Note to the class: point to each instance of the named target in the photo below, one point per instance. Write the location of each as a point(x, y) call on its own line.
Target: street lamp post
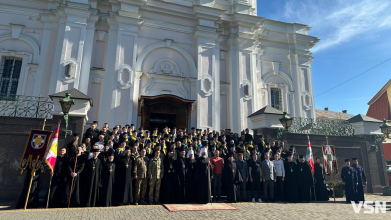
point(66, 104)
point(385, 129)
point(286, 121)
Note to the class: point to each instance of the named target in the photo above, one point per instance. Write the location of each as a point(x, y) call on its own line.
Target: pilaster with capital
point(208, 61)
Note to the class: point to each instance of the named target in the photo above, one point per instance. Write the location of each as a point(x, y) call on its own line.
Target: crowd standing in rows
point(118, 167)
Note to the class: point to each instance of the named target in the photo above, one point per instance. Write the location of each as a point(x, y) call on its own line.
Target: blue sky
point(355, 35)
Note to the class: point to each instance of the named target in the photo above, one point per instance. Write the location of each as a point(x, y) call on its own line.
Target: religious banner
point(35, 149)
point(330, 159)
point(51, 155)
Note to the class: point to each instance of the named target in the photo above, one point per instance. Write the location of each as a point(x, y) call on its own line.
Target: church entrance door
point(164, 110)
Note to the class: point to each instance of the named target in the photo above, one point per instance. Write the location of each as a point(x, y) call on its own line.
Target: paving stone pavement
point(325, 210)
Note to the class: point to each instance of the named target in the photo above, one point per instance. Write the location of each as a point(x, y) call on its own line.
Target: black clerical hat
point(171, 150)
point(192, 128)
point(75, 134)
point(301, 156)
point(94, 150)
point(354, 158)
point(110, 152)
point(95, 122)
point(182, 148)
point(347, 160)
point(127, 148)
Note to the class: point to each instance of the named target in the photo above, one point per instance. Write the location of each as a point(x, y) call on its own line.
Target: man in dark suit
point(92, 132)
point(243, 171)
point(268, 176)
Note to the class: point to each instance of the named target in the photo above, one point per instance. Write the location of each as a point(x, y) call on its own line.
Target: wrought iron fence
point(318, 126)
point(25, 106)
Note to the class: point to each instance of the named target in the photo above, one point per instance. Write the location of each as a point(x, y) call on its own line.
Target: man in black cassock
point(124, 187)
point(72, 146)
point(180, 170)
point(349, 179)
point(203, 176)
point(92, 132)
point(361, 179)
point(167, 191)
point(291, 180)
point(33, 200)
point(231, 178)
point(91, 177)
point(190, 174)
point(76, 187)
point(306, 180)
point(107, 180)
point(320, 185)
point(58, 180)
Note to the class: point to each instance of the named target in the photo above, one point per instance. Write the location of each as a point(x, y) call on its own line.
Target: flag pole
point(73, 178)
point(51, 175)
point(28, 192)
point(331, 172)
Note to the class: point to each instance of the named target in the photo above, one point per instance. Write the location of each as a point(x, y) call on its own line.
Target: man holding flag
point(58, 166)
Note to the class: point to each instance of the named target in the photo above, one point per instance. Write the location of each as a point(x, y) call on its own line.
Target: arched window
point(9, 75)
point(276, 98)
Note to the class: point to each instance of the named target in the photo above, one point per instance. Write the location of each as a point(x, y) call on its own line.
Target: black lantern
point(66, 104)
point(286, 121)
point(385, 128)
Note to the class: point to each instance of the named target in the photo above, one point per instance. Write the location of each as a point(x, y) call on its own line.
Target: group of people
point(118, 167)
point(354, 180)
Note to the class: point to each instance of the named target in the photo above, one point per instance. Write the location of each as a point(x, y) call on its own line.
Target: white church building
point(183, 63)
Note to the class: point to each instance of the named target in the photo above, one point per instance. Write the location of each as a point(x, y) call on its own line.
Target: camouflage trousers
point(141, 188)
point(154, 185)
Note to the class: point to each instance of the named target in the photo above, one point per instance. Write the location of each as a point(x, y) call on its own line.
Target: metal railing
point(25, 106)
point(329, 127)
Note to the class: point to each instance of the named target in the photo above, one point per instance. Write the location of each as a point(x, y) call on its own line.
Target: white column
point(42, 61)
point(108, 82)
point(87, 54)
point(57, 56)
point(136, 90)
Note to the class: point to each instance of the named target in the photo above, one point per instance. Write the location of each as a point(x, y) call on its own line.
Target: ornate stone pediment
point(166, 67)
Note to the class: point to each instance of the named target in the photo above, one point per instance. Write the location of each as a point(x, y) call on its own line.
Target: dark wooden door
point(145, 118)
point(181, 120)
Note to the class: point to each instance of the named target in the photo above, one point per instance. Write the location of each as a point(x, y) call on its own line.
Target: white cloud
point(338, 21)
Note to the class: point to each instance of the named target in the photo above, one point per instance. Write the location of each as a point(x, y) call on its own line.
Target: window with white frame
point(9, 75)
point(276, 98)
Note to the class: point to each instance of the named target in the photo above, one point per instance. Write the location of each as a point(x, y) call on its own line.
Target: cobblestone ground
point(327, 210)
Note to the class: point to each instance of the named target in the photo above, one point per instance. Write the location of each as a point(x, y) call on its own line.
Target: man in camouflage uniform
point(155, 174)
point(140, 174)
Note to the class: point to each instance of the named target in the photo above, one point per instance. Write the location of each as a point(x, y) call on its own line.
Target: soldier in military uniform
point(155, 174)
point(140, 174)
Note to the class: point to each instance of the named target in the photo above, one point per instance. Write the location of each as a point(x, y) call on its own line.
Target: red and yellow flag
point(51, 155)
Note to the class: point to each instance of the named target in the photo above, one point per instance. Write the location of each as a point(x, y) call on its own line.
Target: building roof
point(326, 114)
point(75, 94)
point(267, 110)
point(381, 91)
point(360, 117)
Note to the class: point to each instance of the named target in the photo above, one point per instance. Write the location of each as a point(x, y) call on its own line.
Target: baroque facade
point(201, 63)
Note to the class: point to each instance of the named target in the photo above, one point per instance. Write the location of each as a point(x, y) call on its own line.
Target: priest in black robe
point(190, 175)
point(320, 185)
point(167, 190)
point(58, 180)
point(124, 186)
point(203, 176)
point(306, 180)
point(231, 178)
point(74, 173)
point(91, 177)
point(291, 180)
point(349, 179)
point(33, 199)
point(180, 170)
point(107, 180)
point(361, 179)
